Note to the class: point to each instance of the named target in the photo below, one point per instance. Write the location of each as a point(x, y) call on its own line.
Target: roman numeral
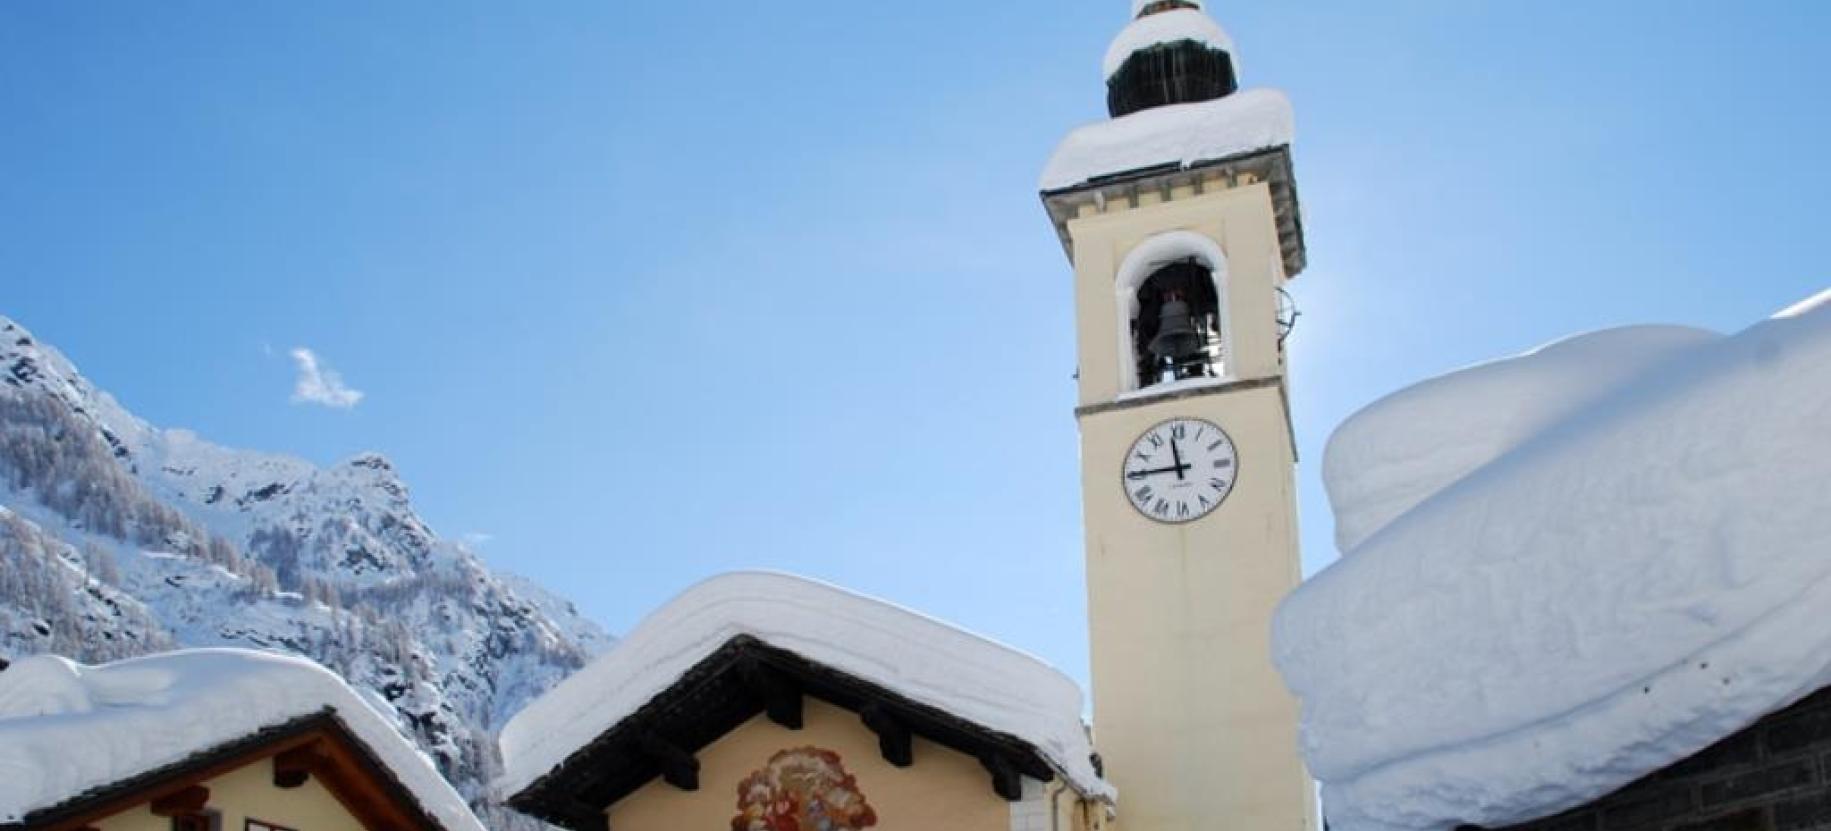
point(1161, 508)
point(1216, 445)
point(1179, 431)
point(1156, 441)
point(1223, 464)
point(1218, 484)
point(1182, 509)
point(1143, 494)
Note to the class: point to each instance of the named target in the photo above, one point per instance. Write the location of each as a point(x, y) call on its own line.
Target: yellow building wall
point(942, 790)
point(249, 793)
point(1194, 723)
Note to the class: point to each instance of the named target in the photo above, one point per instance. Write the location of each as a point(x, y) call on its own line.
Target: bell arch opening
point(1172, 305)
point(1176, 335)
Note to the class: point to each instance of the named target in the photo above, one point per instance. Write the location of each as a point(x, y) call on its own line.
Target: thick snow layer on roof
point(68, 729)
point(1565, 571)
point(1183, 134)
point(1395, 454)
point(923, 659)
point(1164, 27)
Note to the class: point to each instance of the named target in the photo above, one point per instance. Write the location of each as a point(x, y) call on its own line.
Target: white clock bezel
point(1232, 480)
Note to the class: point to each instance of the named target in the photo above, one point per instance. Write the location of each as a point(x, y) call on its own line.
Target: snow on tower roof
point(925, 660)
point(1565, 571)
point(1181, 134)
point(1165, 27)
point(68, 731)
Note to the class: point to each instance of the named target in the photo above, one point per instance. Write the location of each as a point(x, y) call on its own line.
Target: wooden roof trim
point(359, 781)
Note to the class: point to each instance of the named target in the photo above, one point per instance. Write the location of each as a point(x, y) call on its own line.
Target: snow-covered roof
point(1565, 571)
point(1164, 27)
point(922, 659)
point(1182, 134)
point(67, 730)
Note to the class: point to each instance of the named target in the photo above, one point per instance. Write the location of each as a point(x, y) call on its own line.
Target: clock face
point(1180, 470)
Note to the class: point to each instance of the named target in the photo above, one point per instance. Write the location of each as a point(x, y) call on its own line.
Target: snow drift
point(1565, 571)
point(913, 655)
point(66, 729)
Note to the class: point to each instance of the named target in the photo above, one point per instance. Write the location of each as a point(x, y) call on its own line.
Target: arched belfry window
point(1176, 334)
point(1172, 305)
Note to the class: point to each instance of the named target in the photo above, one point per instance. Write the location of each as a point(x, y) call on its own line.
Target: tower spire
point(1171, 53)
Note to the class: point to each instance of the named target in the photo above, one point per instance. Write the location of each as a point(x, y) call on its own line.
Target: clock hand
point(1178, 456)
point(1141, 474)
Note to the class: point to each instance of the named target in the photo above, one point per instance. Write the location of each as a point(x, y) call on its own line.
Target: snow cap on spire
point(1171, 53)
point(1141, 8)
point(1162, 27)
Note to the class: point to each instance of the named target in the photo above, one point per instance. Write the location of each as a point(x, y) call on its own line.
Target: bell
point(1177, 342)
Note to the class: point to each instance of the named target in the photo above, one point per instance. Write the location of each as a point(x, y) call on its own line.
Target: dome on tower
point(1172, 53)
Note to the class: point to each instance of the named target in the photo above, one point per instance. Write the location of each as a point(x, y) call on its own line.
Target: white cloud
point(319, 384)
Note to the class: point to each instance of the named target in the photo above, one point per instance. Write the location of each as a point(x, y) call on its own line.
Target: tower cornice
point(1129, 190)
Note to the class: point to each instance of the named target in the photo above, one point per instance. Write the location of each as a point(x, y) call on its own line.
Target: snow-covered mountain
point(119, 538)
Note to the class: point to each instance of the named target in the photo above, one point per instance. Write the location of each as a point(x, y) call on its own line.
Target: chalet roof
point(740, 645)
point(74, 739)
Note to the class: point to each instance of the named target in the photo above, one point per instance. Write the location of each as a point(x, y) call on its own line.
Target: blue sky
point(643, 292)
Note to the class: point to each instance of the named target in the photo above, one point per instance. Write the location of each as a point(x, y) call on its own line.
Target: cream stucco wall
point(248, 793)
point(1194, 723)
point(1240, 220)
point(943, 789)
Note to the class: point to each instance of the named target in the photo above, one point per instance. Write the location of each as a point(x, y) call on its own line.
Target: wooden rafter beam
point(1007, 781)
point(581, 816)
point(293, 767)
point(781, 696)
point(893, 737)
point(678, 767)
point(179, 803)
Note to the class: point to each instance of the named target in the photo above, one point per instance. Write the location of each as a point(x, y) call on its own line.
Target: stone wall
point(1774, 776)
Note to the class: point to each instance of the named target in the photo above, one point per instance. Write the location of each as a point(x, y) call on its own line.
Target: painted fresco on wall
point(805, 789)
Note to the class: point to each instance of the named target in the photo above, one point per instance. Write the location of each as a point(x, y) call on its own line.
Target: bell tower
point(1180, 217)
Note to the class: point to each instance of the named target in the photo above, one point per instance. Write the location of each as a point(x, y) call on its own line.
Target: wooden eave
point(1272, 166)
point(741, 680)
point(359, 781)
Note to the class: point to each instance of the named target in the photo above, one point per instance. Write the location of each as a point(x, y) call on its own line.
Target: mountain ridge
point(120, 538)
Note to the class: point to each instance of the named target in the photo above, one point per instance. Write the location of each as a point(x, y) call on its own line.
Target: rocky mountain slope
point(118, 538)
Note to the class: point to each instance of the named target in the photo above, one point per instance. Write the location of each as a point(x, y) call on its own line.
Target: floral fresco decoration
point(804, 789)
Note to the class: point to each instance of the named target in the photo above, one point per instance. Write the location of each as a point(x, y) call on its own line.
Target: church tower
point(1180, 216)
